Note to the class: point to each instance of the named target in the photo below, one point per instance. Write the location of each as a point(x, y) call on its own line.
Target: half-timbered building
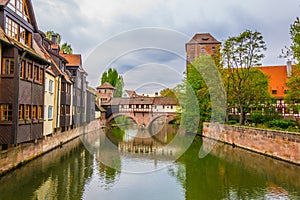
point(22, 75)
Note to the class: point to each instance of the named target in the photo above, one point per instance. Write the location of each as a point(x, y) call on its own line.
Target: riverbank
point(277, 144)
point(15, 157)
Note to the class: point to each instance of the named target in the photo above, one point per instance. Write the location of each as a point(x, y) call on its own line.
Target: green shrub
point(281, 123)
point(257, 117)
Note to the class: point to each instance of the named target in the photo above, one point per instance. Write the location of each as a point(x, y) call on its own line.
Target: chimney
point(289, 68)
point(156, 94)
point(54, 39)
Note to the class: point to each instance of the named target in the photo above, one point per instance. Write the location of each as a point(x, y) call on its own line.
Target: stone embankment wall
point(22, 153)
point(278, 144)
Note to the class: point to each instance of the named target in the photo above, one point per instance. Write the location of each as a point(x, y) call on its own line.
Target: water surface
point(132, 163)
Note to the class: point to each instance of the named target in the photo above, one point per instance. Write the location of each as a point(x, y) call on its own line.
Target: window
point(36, 73)
point(41, 76)
point(12, 28)
point(29, 71)
point(21, 111)
point(63, 87)
point(171, 107)
point(25, 37)
point(213, 49)
point(40, 112)
point(5, 112)
point(28, 112)
point(68, 109)
point(51, 88)
point(50, 112)
point(286, 91)
point(22, 71)
point(63, 110)
point(8, 66)
point(202, 49)
point(20, 7)
point(163, 107)
point(34, 112)
point(274, 91)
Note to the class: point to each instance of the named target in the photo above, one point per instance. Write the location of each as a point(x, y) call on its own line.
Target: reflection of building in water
point(47, 190)
point(143, 142)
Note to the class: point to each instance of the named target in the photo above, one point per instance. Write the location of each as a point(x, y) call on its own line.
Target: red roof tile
point(277, 79)
point(73, 59)
point(105, 86)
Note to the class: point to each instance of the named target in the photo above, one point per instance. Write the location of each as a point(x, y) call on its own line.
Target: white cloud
point(86, 24)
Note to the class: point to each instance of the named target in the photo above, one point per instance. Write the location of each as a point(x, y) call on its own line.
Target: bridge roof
point(133, 101)
point(165, 101)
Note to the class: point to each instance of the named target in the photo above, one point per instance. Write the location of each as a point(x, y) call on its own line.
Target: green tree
point(112, 77)
point(294, 82)
point(255, 93)
point(240, 54)
point(50, 33)
point(66, 48)
point(167, 92)
point(295, 37)
point(201, 93)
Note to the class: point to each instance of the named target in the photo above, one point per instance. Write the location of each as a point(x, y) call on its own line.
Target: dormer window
point(20, 7)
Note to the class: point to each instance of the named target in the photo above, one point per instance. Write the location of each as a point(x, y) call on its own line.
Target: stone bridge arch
point(169, 118)
point(114, 116)
point(143, 119)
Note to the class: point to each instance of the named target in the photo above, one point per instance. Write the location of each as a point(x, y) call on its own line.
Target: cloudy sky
point(137, 37)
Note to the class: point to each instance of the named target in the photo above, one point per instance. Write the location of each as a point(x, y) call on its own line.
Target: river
point(133, 163)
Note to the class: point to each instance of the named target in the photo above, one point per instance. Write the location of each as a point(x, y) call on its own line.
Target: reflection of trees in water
point(232, 173)
point(59, 174)
point(108, 175)
point(107, 158)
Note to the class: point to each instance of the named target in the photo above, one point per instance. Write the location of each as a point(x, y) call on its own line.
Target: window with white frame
point(51, 86)
point(50, 112)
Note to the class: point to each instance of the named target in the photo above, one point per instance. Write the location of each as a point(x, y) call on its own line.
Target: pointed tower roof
point(203, 38)
point(106, 85)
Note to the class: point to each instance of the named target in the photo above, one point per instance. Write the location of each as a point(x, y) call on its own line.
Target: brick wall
point(14, 156)
point(277, 144)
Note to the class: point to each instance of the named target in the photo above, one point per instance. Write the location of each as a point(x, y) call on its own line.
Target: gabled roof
point(74, 60)
point(4, 3)
point(106, 85)
point(277, 79)
point(132, 93)
point(203, 38)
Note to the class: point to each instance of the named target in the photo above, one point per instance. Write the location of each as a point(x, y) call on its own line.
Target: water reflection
point(232, 173)
point(114, 146)
point(94, 167)
point(60, 174)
